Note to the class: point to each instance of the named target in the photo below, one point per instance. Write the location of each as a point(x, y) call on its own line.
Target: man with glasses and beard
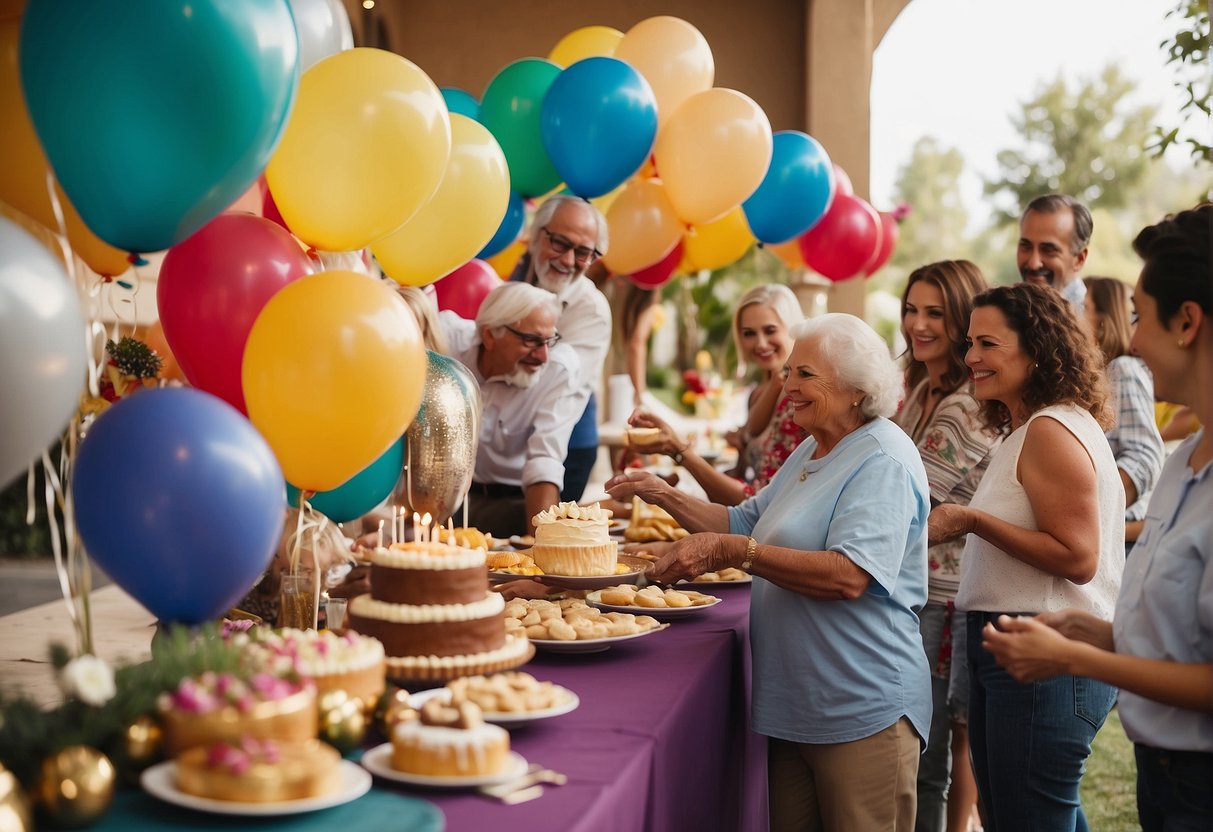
point(531, 394)
point(568, 235)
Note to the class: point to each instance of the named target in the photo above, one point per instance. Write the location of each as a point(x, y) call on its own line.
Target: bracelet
point(677, 457)
point(751, 556)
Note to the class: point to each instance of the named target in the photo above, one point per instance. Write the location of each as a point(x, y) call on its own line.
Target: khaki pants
point(861, 786)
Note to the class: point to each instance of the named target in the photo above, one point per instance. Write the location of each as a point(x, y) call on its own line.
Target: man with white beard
point(531, 397)
point(567, 235)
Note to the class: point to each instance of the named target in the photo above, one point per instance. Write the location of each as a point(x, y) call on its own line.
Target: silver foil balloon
point(440, 444)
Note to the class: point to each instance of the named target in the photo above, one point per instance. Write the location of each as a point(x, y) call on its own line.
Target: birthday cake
point(449, 741)
point(217, 707)
point(349, 662)
point(574, 540)
point(258, 771)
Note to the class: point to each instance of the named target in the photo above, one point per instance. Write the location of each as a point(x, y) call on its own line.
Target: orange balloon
point(170, 370)
point(504, 261)
point(672, 56)
point(788, 253)
point(586, 42)
point(23, 166)
point(643, 227)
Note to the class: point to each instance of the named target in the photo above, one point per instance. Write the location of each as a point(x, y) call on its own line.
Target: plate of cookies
point(571, 625)
point(729, 576)
point(508, 699)
point(652, 600)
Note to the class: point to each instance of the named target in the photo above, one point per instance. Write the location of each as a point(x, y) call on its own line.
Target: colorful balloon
point(366, 147)
point(362, 492)
point(509, 229)
point(332, 375)
point(504, 261)
point(847, 238)
point(42, 349)
point(323, 27)
point(713, 153)
point(179, 500)
point(788, 253)
point(718, 244)
point(889, 232)
point(673, 56)
point(659, 273)
point(842, 181)
point(511, 109)
point(643, 227)
point(211, 289)
point(461, 102)
point(586, 42)
point(157, 114)
point(599, 122)
point(461, 217)
point(796, 191)
point(463, 290)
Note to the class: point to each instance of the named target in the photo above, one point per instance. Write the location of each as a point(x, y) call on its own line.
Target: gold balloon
point(14, 805)
point(342, 720)
point(141, 746)
point(440, 444)
point(76, 786)
point(393, 707)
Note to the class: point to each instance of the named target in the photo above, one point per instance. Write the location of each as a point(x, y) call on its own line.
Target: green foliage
point(134, 358)
point(929, 182)
point(1188, 52)
point(1109, 788)
point(18, 538)
point(1085, 141)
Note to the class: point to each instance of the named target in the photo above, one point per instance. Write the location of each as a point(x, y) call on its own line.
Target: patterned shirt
point(783, 437)
point(1135, 441)
point(955, 450)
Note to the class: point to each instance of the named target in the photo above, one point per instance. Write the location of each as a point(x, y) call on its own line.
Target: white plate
point(656, 612)
point(588, 645)
point(519, 542)
point(159, 781)
point(508, 719)
point(378, 761)
point(635, 564)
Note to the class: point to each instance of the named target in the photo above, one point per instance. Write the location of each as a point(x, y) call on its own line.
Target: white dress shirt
point(585, 325)
point(524, 431)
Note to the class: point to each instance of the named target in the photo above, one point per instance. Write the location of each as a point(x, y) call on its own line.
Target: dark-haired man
point(1054, 232)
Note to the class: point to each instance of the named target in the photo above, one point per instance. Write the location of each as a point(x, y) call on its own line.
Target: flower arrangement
point(703, 391)
point(130, 366)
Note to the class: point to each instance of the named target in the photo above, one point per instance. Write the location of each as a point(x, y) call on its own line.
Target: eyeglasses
point(532, 341)
point(581, 254)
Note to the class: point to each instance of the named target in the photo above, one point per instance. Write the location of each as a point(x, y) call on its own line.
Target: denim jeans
point(1030, 741)
point(1174, 790)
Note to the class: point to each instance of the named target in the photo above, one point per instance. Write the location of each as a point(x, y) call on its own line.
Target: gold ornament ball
point(392, 707)
point(141, 746)
point(76, 786)
point(342, 720)
point(14, 805)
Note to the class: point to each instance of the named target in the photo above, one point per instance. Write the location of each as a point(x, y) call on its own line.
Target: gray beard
point(520, 378)
point(557, 285)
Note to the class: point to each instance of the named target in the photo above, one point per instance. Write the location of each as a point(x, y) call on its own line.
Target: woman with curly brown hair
point(1046, 532)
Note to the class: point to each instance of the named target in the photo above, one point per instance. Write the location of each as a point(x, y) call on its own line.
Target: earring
point(1180, 343)
point(854, 404)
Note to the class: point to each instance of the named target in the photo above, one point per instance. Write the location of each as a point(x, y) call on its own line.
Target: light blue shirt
point(1165, 610)
point(837, 671)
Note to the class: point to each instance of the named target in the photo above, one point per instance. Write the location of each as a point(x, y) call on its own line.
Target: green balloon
point(510, 110)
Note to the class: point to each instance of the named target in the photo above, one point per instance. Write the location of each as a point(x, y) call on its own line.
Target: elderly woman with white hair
point(837, 546)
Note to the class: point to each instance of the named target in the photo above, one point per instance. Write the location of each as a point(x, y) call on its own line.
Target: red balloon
point(846, 239)
point(842, 182)
point(463, 290)
point(888, 241)
point(269, 208)
point(660, 272)
point(211, 288)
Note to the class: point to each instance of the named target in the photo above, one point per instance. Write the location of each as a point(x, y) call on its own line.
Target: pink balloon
point(888, 241)
point(213, 285)
point(269, 208)
point(660, 272)
point(846, 239)
point(463, 290)
point(842, 182)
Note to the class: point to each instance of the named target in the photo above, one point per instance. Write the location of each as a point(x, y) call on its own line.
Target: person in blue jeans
point(1159, 646)
point(1045, 532)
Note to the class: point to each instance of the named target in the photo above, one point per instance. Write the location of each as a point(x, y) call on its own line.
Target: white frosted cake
point(431, 607)
point(574, 540)
point(449, 742)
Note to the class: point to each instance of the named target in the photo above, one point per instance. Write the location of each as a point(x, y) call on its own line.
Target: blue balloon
point(362, 492)
point(180, 500)
point(157, 114)
point(459, 101)
point(508, 231)
point(795, 193)
point(599, 120)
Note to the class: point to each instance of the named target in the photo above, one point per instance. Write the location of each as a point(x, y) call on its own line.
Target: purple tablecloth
point(659, 743)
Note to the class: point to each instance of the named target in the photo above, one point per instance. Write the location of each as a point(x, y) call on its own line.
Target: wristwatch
point(751, 555)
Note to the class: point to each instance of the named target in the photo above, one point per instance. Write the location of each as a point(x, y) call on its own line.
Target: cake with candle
point(574, 540)
point(250, 770)
point(449, 741)
point(431, 607)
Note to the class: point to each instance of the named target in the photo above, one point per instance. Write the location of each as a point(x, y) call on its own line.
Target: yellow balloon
point(642, 226)
point(23, 167)
point(504, 261)
point(713, 154)
point(717, 244)
point(672, 56)
point(333, 374)
point(603, 203)
point(460, 218)
point(586, 42)
point(364, 149)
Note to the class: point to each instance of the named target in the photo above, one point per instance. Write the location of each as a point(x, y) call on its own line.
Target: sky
point(957, 70)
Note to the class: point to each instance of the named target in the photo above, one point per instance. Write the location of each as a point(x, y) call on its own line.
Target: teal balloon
point(362, 492)
point(459, 101)
point(512, 110)
point(156, 115)
point(508, 231)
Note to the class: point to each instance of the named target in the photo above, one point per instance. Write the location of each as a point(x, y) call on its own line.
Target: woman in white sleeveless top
point(1046, 532)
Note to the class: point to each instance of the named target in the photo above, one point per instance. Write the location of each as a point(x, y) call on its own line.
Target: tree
point(1188, 50)
point(1086, 142)
point(929, 182)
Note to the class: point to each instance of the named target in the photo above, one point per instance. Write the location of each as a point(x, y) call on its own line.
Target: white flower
point(88, 679)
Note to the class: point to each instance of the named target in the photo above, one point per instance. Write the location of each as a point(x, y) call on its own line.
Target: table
point(660, 741)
